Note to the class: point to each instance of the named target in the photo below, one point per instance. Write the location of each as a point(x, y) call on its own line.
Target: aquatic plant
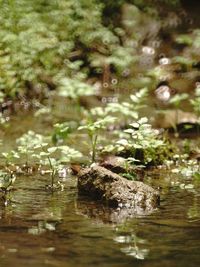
point(62, 130)
point(131, 166)
point(129, 109)
point(28, 142)
point(140, 142)
point(93, 130)
point(37, 147)
point(176, 101)
point(55, 157)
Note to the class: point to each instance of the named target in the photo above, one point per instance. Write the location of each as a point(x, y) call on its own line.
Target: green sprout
point(142, 141)
point(49, 160)
point(36, 146)
point(93, 130)
point(55, 157)
point(27, 144)
point(62, 131)
point(176, 101)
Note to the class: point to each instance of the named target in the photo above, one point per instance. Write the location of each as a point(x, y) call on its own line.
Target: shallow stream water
point(44, 229)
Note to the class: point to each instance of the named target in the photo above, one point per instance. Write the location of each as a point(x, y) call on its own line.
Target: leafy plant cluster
point(53, 49)
point(36, 150)
point(140, 143)
point(63, 45)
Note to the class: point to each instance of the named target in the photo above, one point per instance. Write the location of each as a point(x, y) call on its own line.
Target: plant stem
point(26, 158)
point(52, 178)
point(176, 124)
point(94, 144)
point(52, 169)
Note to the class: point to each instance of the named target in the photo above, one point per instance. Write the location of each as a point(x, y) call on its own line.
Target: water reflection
point(132, 247)
point(41, 228)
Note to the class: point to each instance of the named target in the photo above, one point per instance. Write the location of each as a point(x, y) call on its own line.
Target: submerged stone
point(101, 184)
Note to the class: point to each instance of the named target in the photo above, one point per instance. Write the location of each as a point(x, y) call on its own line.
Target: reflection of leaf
point(41, 228)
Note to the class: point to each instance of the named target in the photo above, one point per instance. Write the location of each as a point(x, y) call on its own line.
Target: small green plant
point(68, 154)
point(141, 142)
point(27, 144)
point(45, 157)
point(55, 158)
point(93, 130)
point(36, 146)
point(62, 131)
point(176, 101)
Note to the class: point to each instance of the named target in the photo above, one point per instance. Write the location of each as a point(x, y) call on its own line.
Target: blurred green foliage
point(44, 42)
point(41, 40)
point(38, 39)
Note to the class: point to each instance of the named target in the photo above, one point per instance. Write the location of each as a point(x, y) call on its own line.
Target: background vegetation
point(43, 42)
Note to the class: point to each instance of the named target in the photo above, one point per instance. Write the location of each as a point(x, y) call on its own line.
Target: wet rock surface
point(115, 191)
point(115, 164)
point(120, 165)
